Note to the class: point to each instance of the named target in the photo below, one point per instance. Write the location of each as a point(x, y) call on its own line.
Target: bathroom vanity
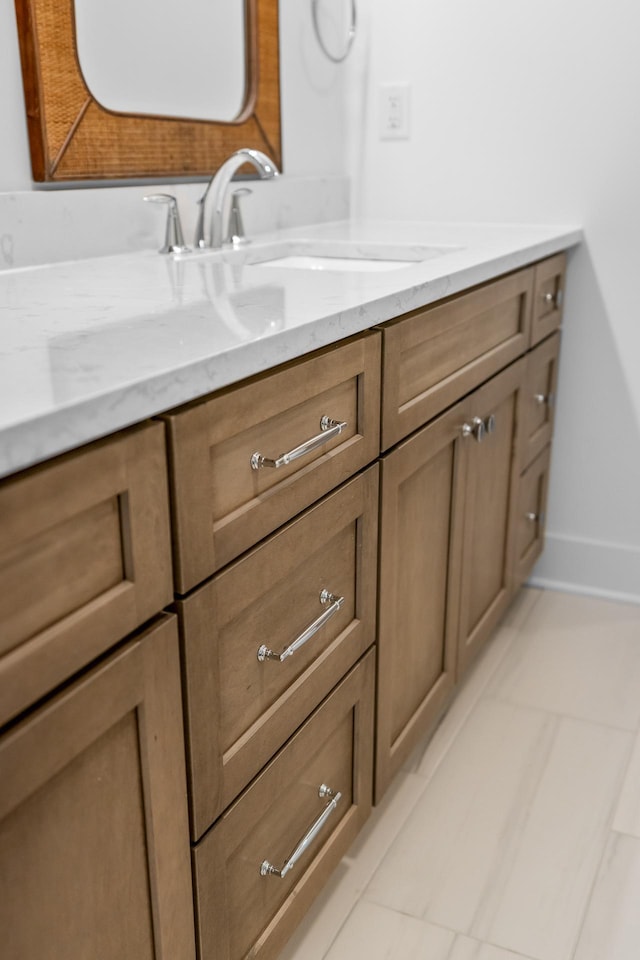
point(227, 621)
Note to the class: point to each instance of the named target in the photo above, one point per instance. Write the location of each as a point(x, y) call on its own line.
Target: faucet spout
point(218, 186)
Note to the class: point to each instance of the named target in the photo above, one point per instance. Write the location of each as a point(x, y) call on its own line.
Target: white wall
point(529, 112)
point(15, 167)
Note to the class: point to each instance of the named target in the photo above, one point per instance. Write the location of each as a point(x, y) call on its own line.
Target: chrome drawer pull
point(325, 597)
point(330, 429)
point(267, 869)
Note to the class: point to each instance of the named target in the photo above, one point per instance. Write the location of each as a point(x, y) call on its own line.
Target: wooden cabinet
point(447, 505)
point(265, 500)
point(94, 856)
point(463, 497)
point(539, 401)
point(279, 579)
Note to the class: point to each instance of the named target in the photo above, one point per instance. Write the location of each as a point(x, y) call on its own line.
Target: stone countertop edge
point(58, 426)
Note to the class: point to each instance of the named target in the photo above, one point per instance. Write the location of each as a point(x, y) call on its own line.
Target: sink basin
point(361, 265)
point(324, 255)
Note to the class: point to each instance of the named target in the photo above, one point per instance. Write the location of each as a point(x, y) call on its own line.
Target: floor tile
point(438, 866)
point(627, 816)
point(376, 933)
point(536, 901)
point(521, 606)
point(612, 925)
point(466, 949)
point(495, 843)
point(502, 845)
point(576, 656)
point(385, 823)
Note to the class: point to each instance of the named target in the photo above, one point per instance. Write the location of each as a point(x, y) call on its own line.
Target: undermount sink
point(358, 264)
point(324, 255)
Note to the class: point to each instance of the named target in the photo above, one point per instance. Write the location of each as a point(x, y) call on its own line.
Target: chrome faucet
point(219, 184)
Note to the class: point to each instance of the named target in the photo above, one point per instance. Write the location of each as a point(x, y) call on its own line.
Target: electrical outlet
point(394, 111)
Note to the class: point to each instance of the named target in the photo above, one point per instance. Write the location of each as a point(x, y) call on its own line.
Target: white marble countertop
point(92, 346)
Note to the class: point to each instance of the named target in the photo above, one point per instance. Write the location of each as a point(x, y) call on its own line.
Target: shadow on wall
point(599, 497)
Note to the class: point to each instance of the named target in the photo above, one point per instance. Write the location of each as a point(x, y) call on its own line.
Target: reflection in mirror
point(160, 58)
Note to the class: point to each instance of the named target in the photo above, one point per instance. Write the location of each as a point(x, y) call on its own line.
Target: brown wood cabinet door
point(94, 845)
point(422, 484)
point(487, 556)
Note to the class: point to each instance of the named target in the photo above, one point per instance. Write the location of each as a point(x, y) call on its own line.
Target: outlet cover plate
point(395, 111)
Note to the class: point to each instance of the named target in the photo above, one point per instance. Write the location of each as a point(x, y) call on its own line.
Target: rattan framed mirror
point(73, 137)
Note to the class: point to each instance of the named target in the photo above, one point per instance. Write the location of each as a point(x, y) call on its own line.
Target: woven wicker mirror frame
point(72, 137)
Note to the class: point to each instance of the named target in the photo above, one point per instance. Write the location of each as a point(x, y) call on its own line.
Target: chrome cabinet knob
point(553, 299)
point(475, 429)
point(534, 517)
point(544, 398)
point(490, 424)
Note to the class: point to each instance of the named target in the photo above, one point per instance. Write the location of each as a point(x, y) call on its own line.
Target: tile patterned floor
point(514, 834)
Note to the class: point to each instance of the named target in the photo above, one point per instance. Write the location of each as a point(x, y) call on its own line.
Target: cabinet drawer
point(548, 297)
point(539, 398)
point(242, 705)
point(434, 356)
point(242, 912)
point(530, 523)
point(222, 504)
point(85, 558)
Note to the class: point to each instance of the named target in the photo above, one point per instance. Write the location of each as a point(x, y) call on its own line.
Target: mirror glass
point(165, 59)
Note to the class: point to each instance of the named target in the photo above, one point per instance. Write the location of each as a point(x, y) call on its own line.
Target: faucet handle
point(174, 238)
point(236, 226)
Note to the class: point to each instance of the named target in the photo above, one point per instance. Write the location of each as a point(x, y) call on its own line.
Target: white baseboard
point(591, 567)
